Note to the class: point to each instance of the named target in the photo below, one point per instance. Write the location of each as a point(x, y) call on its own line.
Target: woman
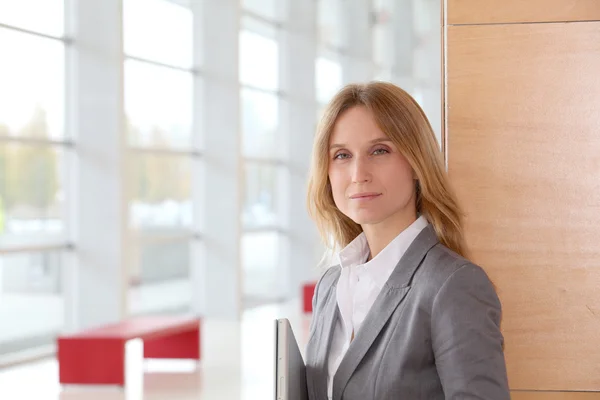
point(404, 315)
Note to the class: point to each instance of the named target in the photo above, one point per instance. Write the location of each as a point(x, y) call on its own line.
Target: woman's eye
point(380, 151)
point(341, 156)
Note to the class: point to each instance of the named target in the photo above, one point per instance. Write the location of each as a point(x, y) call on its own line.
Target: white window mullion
point(197, 253)
point(358, 59)
point(220, 196)
point(298, 64)
point(100, 215)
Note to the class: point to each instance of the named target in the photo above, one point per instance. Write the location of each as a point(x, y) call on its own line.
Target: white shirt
point(359, 285)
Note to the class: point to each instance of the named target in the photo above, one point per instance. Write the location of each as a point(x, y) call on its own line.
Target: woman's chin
point(367, 218)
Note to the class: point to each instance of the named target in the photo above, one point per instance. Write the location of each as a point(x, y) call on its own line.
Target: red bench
point(97, 356)
point(308, 290)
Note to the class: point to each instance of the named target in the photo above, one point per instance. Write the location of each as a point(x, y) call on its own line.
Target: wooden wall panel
point(523, 143)
point(511, 11)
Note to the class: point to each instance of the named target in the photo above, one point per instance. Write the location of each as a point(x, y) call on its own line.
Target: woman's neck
point(380, 235)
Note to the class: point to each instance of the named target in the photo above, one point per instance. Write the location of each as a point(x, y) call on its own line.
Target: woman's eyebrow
point(374, 141)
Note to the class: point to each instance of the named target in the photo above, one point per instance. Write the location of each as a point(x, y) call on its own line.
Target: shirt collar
point(355, 253)
point(379, 269)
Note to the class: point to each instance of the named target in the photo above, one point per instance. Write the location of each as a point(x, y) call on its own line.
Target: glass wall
point(331, 44)
point(34, 186)
point(161, 81)
point(263, 155)
point(383, 39)
point(158, 93)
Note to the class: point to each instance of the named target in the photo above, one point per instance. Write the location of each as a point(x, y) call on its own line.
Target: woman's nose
point(360, 171)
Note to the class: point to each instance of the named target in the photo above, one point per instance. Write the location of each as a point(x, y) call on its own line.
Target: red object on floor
point(308, 290)
point(97, 356)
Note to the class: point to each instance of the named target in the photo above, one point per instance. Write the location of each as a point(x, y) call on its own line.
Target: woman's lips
point(365, 196)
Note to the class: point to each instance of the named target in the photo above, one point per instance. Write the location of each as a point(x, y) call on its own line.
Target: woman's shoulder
point(325, 283)
point(442, 264)
point(328, 278)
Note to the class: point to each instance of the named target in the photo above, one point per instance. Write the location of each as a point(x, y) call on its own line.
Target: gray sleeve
point(466, 337)
point(314, 310)
point(315, 302)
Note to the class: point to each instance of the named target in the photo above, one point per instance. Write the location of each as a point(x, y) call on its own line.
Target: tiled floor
point(237, 364)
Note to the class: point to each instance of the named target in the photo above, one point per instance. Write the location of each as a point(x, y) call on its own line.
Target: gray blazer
point(433, 333)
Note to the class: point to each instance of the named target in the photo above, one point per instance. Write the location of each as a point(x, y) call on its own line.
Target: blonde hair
point(401, 118)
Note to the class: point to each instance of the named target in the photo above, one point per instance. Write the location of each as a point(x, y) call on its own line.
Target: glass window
point(426, 17)
point(383, 35)
point(158, 30)
point(270, 9)
point(379, 44)
point(158, 105)
point(330, 20)
point(32, 85)
point(383, 74)
point(159, 276)
point(328, 79)
point(259, 56)
point(43, 16)
point(261, 263)
point(320, 112)
point(31, 193)
point(427, 65)
point(161, 193)
point(262, 184)
point(260, 119)
point(31, 299)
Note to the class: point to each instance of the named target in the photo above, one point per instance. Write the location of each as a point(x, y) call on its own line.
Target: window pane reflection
point(32, 85)
point(270, 9)
point(31, 299)
point(261, 260)
point(161, 187)
point(43, 16)
point(262, 185)
point(32, 197)
point(159, 277)
point(328, 79)
point(330, 22)
point(163, 118)
point(259, 60)
point(170, 44)
point(260, 118)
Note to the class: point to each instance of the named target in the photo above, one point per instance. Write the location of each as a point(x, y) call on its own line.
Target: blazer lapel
point(387, 301)
point(382, 309)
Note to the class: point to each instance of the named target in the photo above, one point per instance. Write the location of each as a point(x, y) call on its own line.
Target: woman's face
point(372, 183)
